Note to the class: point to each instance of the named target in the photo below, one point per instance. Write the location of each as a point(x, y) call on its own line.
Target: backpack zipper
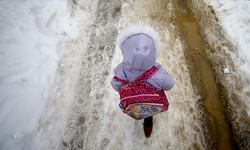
point(140, 95)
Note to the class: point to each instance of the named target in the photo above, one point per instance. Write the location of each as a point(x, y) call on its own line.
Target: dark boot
point(148, 126)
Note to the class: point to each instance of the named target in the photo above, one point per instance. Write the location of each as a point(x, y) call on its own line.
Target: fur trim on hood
point(137, 29)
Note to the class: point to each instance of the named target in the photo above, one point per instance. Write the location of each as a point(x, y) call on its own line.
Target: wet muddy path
point(224, 94)
point(219, 128)
point(203, 112)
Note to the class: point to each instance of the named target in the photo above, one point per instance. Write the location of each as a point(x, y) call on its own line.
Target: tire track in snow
point(85, 120)
point(75, 109)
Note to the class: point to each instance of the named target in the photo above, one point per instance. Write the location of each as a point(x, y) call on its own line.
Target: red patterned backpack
point(140, 100)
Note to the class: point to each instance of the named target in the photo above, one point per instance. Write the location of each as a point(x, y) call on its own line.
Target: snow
point(226, 70)
point(234, 19)
point(32, 38)
point(32, 44)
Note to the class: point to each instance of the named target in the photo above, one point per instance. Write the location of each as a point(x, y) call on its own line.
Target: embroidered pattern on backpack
point(140, 100)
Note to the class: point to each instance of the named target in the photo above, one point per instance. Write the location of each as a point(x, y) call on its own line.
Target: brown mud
point(219, 128)
point(228, 114)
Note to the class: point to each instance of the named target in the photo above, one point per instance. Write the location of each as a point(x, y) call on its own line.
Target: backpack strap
point(147, 74)
point(122, 81)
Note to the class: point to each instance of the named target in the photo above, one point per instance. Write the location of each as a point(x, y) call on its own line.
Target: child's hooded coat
point(140, 45)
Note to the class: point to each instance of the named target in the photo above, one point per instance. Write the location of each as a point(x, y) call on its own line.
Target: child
point(140, 45)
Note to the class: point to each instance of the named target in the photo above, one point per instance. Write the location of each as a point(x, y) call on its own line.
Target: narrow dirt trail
point(83, 111)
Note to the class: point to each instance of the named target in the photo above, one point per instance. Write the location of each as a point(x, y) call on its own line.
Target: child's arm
point(116, 84)
point(168, 83)
point(162, 80)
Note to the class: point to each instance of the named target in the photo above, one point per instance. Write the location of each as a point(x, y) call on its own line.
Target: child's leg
point(148, 121)
point(148, 126)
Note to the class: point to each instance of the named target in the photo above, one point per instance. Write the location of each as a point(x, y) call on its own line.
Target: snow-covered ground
point(32, 41)
point(56, 62)
point(235, 20)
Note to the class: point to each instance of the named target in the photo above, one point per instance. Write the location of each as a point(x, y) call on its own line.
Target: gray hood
point(140, 45)
point(138, 52)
